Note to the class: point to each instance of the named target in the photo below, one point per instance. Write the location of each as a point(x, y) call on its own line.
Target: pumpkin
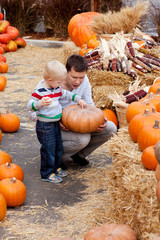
point(158, 191)
point(139, 43)
point(82, 120)
point(138, 121)
point(9, 170)
point(82, 52)
point(4, 157)
point(3, 26)
point(79, 28)
point(135, 108)
point(111, 116)
point(3, 207)
point(1, 16)
point(0, 135)
point(148, 135)
point(3, 67)
point(11, 46)
point(1, 50)
point(13, 32)
point(3, 81)
point(157, 80)
point(14, 191)
point(154, 87)
point(5, 38)
point(20, 42)
point(111, 232)
point(92, 43)
point(157, 173)
point(149, 159)
point(157, 151)
point(2, 58)
point(153, 98)
point(9, 122)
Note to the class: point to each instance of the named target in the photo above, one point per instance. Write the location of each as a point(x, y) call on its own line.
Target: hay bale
point(131, 188)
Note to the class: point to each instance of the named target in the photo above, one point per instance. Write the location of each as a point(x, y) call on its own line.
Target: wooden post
point(94, 5)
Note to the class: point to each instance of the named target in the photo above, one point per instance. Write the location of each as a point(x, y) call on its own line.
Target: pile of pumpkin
point(9, 42)
point(143, 117)
point(12, 188)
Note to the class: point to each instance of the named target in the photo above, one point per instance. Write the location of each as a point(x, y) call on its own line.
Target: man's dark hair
point(77, 62)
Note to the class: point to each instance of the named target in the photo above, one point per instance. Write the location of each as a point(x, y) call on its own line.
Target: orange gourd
point(3, 207)
point(148, 135)
point(9, 122)
point(4, 157)
point(3, 81)
point(135, 108)
point(82, 51)
point(157, 173)
point(79, 28)
point(149, 159)
point(3, 67)
point(140, 120)
point(92, 43)
point(82, 120)
point(11, 46)
point(14, 191)
point(111, 232)
point(13, 32)
point(9, 170)
point(111, 116)
point(154, 87)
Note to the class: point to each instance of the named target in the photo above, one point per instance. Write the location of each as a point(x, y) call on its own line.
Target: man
point(79, 145)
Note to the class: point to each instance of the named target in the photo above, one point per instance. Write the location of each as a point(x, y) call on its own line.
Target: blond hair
point(54, 70)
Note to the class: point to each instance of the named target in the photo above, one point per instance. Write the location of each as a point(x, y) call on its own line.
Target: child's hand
point(82, 103)
point(45, 101)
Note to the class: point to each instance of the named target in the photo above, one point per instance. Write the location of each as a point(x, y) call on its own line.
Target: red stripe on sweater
point(49, 95)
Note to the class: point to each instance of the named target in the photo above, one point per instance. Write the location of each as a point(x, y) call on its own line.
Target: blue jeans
point(49, 136)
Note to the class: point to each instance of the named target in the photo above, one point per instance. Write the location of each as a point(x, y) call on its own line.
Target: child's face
point(54, 83)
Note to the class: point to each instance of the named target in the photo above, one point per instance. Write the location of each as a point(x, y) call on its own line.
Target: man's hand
point(63, 127)
point(45, 101)
point(101, 127)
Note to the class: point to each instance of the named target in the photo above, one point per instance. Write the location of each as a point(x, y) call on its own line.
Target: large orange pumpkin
point(9, 170)
point(157, 173)
point(4, 157)
point(3, 207)
point(9, 122)
point(111, 232)
point(82, 120)
point(14, 191)
point(111, 116)
point(79, 28)
point(149, 159)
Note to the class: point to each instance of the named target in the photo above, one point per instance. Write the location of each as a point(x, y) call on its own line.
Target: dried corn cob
point(114, 64)
point(147, 51)
point(137, 71)
point(131, 50)
point(152, 61)
point(152, 57)
point(119, 68)
point(136, 96)
point(142, 64)
point(123, 64)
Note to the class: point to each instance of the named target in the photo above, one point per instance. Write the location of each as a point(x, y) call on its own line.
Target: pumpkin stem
point(13, 180)
point(7, 111)
point(156, 125)
point(153, 110)
point(150, 95)
point(8, 165)
point(158, 91)
point(146, 112)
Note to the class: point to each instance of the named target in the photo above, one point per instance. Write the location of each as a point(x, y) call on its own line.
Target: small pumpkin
point(5, 38)
point(13, 32)
point(111, 116)
point(14, 191)
point(9, 122)
point(9, 170)
point(3, 67)
point(20, 42)
point(82, 120)
point(157, 173)
point(149, 159)
point(2, 58)
point(3, 81)
point(3, 26)
point(0, 135)
point(111, 232)
point(154, 87)
point(11, 46)
point(3, 207)
point(92, 43)
point(4, 157)
point(148, 135)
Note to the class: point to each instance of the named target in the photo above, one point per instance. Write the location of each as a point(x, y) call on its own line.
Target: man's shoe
point(81, 161)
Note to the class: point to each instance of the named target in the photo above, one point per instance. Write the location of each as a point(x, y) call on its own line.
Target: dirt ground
point(63, 210)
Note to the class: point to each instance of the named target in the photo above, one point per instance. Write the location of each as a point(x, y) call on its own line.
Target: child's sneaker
point(61, 173)
point(53, 178)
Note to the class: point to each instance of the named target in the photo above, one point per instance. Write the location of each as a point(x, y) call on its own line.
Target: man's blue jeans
point(49, 136)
